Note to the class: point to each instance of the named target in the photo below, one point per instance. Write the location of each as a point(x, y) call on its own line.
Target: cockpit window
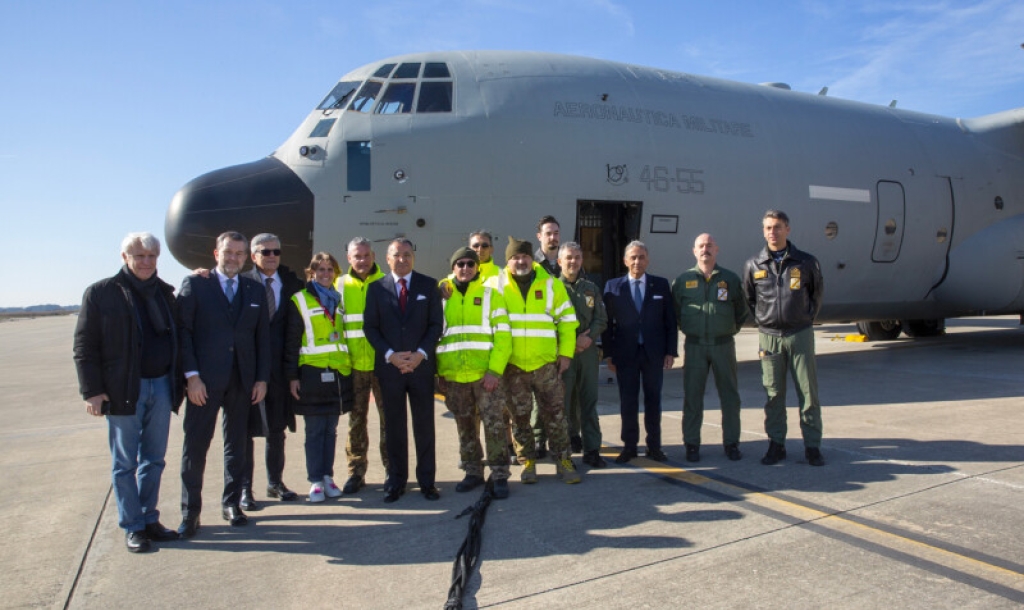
point(363, 101)
point(407, 71)
point(384, 71)
point(397, 99)
point(435, 97)
point(338, 96)
point(436, 69)
point(404, 89)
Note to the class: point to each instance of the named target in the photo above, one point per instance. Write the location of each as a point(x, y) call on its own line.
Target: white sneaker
point(330, 488)
point(316, 493)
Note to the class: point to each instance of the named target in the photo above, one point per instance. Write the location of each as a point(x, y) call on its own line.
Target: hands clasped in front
point(406, 362)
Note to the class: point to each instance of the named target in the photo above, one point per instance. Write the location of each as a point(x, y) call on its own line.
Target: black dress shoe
point(776, 453)
point(576, 443)
point(732, 451)
point(353, 484)
point(469, 483)
point(278, 490)
point(393, 494)
point(500, 491)
point(156, 531)
point(813, 455)
point(431, 493)
point(692, 453)
point(625, 455)
point(593, 459)
point(189, 526)
point(656, 454)
point(247, 502)
point(137, 542)
point(235, 516)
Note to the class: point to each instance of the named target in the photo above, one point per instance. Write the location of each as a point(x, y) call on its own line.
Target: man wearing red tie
point(403, 322)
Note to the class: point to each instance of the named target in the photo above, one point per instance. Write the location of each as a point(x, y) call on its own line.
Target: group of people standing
point(515, 349)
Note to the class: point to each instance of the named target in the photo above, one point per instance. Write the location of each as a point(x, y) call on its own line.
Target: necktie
point(271, 303)
point(229, 292)
point(638, 300)
point(403, 295)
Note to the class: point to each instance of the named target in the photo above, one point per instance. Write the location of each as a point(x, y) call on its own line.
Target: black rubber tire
point(880, 330)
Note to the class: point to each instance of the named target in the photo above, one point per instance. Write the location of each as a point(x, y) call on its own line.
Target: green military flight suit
point(710, 312)
point(581, 377)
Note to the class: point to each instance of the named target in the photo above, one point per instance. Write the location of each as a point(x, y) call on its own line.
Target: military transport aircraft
point(914, 217)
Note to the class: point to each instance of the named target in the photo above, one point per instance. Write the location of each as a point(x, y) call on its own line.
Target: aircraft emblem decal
point(617, 174)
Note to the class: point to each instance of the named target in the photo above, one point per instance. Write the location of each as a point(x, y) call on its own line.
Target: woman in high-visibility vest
point(318, 368)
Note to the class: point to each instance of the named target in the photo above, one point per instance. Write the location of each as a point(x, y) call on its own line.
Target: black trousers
point(640, 371)
point(418, 388)
point(276, 422)
point(199, 425)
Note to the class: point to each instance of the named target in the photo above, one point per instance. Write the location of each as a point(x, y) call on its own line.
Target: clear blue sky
point(108, 107)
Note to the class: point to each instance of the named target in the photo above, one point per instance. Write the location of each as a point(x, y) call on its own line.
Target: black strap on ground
point(469, 553)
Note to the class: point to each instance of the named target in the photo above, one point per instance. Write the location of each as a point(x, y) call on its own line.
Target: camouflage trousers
point(358, 445)
point(471, 404)
point(546, 384)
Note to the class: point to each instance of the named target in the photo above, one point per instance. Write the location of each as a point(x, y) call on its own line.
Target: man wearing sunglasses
point(274, 414)
point(471, 359)
point(482, 243)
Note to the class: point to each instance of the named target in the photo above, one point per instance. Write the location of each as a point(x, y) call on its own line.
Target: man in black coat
point(642, 342)
point(225, 346)
point(126, 355)
point(403, 322)
point(270, 417)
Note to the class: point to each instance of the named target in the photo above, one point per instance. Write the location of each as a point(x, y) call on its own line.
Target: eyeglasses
point(268, 252)
point(462, 264)
point(475, 246)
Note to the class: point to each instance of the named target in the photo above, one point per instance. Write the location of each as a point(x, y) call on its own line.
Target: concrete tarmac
point(918, 506)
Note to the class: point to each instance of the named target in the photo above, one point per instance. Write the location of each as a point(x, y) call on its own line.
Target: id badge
point(327, 376)
point(334, 337)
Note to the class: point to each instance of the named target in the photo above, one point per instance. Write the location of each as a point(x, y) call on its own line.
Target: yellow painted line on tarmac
point(927, 552)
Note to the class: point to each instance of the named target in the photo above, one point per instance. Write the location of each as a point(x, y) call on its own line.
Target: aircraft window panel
point(339, 95)
point(411, 70)
point(436, 69)
point(323, 127)
point(397, 99)
point(384, 71)
point(363, 101)
point(435, 97)
point(358, 157)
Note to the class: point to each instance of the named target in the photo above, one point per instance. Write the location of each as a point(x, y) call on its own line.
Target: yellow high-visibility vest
point(323, 345)
point(476, 337)
point(543, 325)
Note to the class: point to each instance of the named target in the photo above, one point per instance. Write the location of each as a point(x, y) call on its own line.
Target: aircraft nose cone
point(264, 196)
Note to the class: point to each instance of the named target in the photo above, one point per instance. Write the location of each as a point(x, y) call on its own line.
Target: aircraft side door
point(889, 225)
point(603, 229)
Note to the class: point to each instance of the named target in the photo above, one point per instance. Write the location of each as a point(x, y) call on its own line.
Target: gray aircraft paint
point(535, 133)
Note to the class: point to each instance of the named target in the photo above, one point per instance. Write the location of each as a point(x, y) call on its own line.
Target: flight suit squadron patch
point(760, 274)
point(723, 291)
point(589, 296)
point(794, 279)
point(691, 284)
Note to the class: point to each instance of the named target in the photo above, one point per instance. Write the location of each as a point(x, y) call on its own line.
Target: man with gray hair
point(271, 417)
point(581, 377)
point(363, 271)
point(641, 342)
point(126, 355)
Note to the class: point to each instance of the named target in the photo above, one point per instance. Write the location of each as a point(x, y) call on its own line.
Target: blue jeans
point(321, 440)
point(137, 445)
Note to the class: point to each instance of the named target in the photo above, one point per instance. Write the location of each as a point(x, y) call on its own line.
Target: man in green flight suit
point(711, 309)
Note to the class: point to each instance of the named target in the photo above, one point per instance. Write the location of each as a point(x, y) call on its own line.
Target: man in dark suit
point(274, 414)
point(403, 322)
point(641, 343)
point(225, 347)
